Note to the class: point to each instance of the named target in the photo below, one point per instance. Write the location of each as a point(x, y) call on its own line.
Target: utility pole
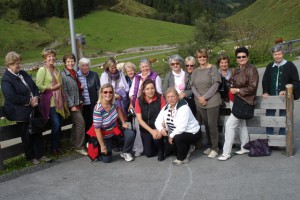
point(72, 31)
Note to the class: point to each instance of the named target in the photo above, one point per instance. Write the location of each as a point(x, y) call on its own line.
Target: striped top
point(85, 93)
point(105, 120)
point(170, 120)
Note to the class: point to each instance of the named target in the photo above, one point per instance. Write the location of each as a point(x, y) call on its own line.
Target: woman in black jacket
point(21, 96)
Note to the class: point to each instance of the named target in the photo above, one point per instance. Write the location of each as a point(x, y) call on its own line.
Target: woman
point(91, 85)
point(106, 113)
point(53, 103)
point(205, 84)
point(245, 82)
point(135, 91)
point(73, 90)
point(117, 79)
point(147, 108)
point(226, 73)
point(21, 96)
point(177, 121)
point(129, 70)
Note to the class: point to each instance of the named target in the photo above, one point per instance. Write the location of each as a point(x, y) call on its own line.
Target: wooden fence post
point(289, 120)
point(1, 160)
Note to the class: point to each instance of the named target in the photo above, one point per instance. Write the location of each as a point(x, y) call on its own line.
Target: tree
point(26, 11)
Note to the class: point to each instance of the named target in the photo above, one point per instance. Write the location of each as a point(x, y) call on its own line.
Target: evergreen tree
point(59, 10)
point(26, 11)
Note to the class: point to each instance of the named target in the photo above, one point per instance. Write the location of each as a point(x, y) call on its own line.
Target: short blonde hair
point(11, 58)
point(106, 85)
point(109, 63)
point(171, 90)
point(129, 65)
point(190, 58)
point(48, 51)
point(201, 52)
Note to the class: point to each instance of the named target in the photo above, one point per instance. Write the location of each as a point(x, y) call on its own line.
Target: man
point(278, 74)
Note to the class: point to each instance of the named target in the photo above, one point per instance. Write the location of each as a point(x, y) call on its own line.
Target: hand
point(170, 140)
point(163, 132)
point(182, 95)
point(56, 87)
point(34, 102)
point(118, 97)
point(130, 106)
point(104, 150)
point(74, 108)
point(125, 125)
point(234, 90)
point(282, 93)
point(155, 134)
point(204, 103)
point(265, 95)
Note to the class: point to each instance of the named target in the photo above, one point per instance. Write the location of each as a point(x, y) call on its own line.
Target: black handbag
point(37, 122)
point(241, 109)
point(258, 147)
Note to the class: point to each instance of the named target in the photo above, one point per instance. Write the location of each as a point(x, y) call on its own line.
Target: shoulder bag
point(241, 109)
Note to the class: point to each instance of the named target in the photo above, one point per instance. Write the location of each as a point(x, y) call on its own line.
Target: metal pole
point(72, 30)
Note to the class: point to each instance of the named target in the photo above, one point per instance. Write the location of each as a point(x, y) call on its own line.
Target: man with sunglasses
point(277, 75)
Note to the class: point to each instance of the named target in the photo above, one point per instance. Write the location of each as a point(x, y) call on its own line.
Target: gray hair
point(129, 65)
point(175, 58)
point(277, 48)
point(84, 61)
point(145, 60)
point(190, 58)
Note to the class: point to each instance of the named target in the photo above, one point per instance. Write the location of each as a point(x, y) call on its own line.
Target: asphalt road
point(275, 177)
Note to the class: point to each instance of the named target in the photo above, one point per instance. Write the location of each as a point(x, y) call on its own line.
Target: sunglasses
point(105, 92)
point(189, 65)
point(239, 57)
point(173, 64)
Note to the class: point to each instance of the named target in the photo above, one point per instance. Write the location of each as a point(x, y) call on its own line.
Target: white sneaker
point(127, 156)
point(223, 157)
point(242, 151)
point(191, 150)
point(180, 162)
point(81, 151)
point(213, 154)
point(207, 151)
point(137, 154)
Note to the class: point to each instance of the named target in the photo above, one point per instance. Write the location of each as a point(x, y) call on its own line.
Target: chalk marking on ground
point(167, 181)
point(191, 181)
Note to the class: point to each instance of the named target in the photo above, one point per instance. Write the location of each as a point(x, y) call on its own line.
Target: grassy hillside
point(104, 31)
point(282, 15)
point(133, 8)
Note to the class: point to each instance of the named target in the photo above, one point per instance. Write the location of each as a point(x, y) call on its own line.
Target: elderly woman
point(245, 82)
point(147, 108)
point(73, 90)
point(20, 97)
point(190, 65)
point(53, 102)
point(117, 79)
point(91, 85)
point(135, 91)
point(129, 70)
point(177, 121)
point(106, 113)
point(205, 84)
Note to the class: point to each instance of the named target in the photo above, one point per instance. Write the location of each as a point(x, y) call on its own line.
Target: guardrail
point(291, 46)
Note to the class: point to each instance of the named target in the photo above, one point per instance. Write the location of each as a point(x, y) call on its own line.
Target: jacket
point(70, 88)
point(17, 95)
point(246, 80)
point(93, 84)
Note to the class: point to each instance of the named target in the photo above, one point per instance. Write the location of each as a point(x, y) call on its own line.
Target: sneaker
point(191, 150)
point(127, 156)
point(180, 162)
point(81, 151)
point(35, 161)
point(213, 154)
point(207, 151)
point(45, 159)
point(242, 151)
point(223, 157)
point(137, 154)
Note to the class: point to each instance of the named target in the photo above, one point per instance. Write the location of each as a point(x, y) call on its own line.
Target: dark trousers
point(87, 113)
point(151, 146)
point(55, 120)
point(33, 144)
point(183, 141)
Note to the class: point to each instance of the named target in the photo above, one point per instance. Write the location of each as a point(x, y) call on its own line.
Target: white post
point(72, 31)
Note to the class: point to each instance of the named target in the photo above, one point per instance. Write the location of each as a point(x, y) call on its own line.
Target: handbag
point(258, 147)
point(37, 122)
point(241, 109)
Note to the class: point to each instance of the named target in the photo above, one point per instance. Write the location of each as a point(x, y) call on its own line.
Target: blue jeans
point(128, 137)
point(271, 112)
point(55, 120)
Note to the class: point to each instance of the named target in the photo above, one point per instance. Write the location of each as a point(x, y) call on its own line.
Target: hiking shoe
point(127, 157)
point(45, 159)
point(191, 150)
point(35, 161)
point(180, 162)
point(223, 157)
point(207, 151)
point(212, 154)
point(81, 151)
point(242, 151)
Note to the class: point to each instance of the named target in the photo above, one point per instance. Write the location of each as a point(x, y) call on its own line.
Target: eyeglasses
point(189, 65)
point(173, 64)
point(202, 57)
point(105, 92)
point(239, 57)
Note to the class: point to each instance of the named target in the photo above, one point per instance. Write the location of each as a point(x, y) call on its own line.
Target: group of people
point(164, 117)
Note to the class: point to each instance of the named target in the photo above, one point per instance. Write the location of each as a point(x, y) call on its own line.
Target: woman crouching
point(177, 121)
point(147, 108)
point(106, 113)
